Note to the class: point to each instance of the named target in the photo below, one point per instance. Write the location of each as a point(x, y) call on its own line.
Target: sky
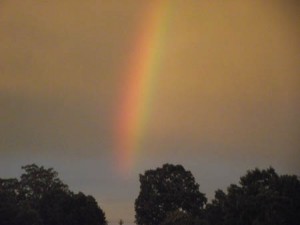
point(103, 90)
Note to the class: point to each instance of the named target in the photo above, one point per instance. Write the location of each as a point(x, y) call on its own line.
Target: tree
point(8, 201)
point(85, 210)
point(262, 198)
point(165, 190)
point(179, 218)
point(60, 208)
point(214, 211)
point(37, 181)
point(41, 198)
point(28, 216)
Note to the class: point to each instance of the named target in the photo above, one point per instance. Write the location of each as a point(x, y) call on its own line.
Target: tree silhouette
point(165, 190)
point(263, 197)
point(41, 198)
point(37, 181)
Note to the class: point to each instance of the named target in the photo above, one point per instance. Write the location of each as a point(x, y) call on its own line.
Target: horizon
point(131, 222)
point(102, 91)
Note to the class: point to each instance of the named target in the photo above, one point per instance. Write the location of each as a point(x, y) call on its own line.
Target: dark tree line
point(261, 198)
point(170, 196)
point(41, 198)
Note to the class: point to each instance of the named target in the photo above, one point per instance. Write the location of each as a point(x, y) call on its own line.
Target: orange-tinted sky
point(226, 96)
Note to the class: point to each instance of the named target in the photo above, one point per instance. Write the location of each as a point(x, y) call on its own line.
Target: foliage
point(262, 198)
point(180, 217)
point(41, 198)
point(60, 208)
point(166, 190)
point(168, 196)
point(37, 181)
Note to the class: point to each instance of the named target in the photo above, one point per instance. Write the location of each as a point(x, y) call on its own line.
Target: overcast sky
point(226, 95)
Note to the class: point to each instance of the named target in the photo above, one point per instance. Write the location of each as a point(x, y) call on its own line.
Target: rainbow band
point(139, 84)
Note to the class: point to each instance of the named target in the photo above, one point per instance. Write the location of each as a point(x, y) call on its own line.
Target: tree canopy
point(41, 198)
point(166, 190)
point(169, 195)
point(262, 198)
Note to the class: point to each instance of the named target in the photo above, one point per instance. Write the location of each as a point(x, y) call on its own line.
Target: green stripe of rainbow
point(144, 63)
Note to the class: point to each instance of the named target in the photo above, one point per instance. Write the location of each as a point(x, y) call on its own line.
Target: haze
point(226, 96)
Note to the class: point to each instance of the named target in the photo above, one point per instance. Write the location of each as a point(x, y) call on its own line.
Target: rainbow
point(139, 83)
